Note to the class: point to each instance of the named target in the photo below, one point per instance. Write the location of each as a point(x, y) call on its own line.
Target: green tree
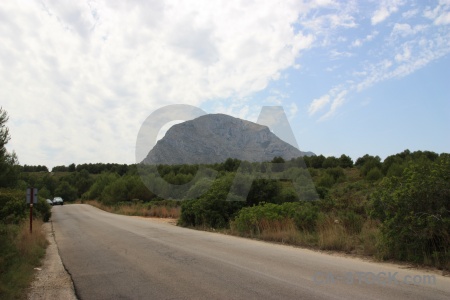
point(415, 213)
point(278, 164)
point(314, 161)
point(66, 191)
point(345, 161)
point(72, 167)
point(9, 165)
point(330, 162)
point(264, 190)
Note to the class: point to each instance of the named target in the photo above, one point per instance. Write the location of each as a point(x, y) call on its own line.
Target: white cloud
point(403, 29)
point(359, 42)
point(404, 56)
point(440, 14)
point(410, 13)
point(385, 9)
point(79, 78)
point(318, 104)
point(292, 110)
point(443, 19)
point(337, 102)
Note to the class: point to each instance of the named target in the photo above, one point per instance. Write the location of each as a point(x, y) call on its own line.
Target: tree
point(278, 164)
point(264, 190)
point(9, 164)
point(72, 167)
point(314, 161)
point(66, 191)
point(330, 162)
point(367, 163)
point(345, 161)
point(415, 212)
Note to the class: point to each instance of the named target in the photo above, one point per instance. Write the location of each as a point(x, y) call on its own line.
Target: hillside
point(215, 137)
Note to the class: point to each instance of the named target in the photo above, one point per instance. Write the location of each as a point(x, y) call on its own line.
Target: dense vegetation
point(396, 208)
point(20, 251)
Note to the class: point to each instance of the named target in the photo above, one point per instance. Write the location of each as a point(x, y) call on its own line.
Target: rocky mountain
point(213, 138)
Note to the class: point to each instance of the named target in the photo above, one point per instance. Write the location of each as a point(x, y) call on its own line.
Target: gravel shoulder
point(51, 281)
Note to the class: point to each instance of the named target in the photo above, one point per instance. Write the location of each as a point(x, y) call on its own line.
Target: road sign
point(32, 194)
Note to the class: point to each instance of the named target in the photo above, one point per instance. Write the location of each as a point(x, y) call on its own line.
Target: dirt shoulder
point(51, 281)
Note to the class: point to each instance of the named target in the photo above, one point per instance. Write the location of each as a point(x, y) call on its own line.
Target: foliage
point(9, 168)
point(345, 161)
point(13, 208)
point(211, 209)
point(415, 212)
point(38, 168)
point(264, 190)
point(249, 219)
point(20, 253)
point(66, 191)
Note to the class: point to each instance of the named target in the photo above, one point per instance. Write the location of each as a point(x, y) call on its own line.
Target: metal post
point(31, 210)
point(31, 217)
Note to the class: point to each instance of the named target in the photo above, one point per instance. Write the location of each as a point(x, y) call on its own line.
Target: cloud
point(338, 101)
point(443, 19)
point(400, 49)
point(385, 9)
point(405, 56)
point(403, 29)
point(440, 14)
point(318, 104)
point(79, 78)
point(410, 13)
point(368, 38)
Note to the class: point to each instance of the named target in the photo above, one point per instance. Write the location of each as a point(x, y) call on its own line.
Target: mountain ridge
point(213, 138)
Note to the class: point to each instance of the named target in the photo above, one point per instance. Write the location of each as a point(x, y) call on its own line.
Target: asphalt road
point(118, 257)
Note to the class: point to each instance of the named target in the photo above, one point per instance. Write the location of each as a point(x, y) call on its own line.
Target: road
point(118, 257)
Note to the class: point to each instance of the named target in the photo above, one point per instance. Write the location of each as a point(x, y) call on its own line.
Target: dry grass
point(20, 253)
point(139, 209)
point(330, 234)
point(333, 236)
point(31, 244)
point(281, 231)
point(164, 212)
point(369, 237)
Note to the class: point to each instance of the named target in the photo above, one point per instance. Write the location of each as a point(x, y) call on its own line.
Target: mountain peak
point(213, 138)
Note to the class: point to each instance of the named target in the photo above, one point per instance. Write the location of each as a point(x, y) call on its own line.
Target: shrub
point(250, 220)
point(374, 174)
point(42, 210)
point(207, 212)
point(13, 207)
point(415, 213)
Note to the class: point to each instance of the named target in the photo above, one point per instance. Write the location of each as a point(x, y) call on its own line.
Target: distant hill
point(213, 138)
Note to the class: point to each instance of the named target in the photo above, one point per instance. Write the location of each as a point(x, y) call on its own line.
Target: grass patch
point(150, 209)
point(20, 253)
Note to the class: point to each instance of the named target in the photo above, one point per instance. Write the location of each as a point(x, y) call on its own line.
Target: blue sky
point(78, 78)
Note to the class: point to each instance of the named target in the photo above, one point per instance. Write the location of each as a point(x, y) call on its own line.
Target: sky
point(79, 78)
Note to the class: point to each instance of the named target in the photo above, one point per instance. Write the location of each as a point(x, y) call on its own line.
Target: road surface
point(118, 257)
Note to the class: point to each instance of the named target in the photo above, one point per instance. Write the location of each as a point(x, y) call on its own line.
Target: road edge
point(52, 281)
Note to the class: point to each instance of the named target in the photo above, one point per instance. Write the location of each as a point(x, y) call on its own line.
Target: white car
point(58, 201)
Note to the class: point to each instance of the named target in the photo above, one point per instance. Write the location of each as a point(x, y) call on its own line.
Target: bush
point(66, 191)
point(13, 207)
point(42, 210)
point(415, 213)
point(210, 213)
point(249, 220)
point(374, 174)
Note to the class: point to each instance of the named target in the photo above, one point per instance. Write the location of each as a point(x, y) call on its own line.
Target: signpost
point(32, 197)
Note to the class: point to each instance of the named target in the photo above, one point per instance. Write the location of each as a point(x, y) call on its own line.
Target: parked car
point(49, 201)
point(58, 201)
